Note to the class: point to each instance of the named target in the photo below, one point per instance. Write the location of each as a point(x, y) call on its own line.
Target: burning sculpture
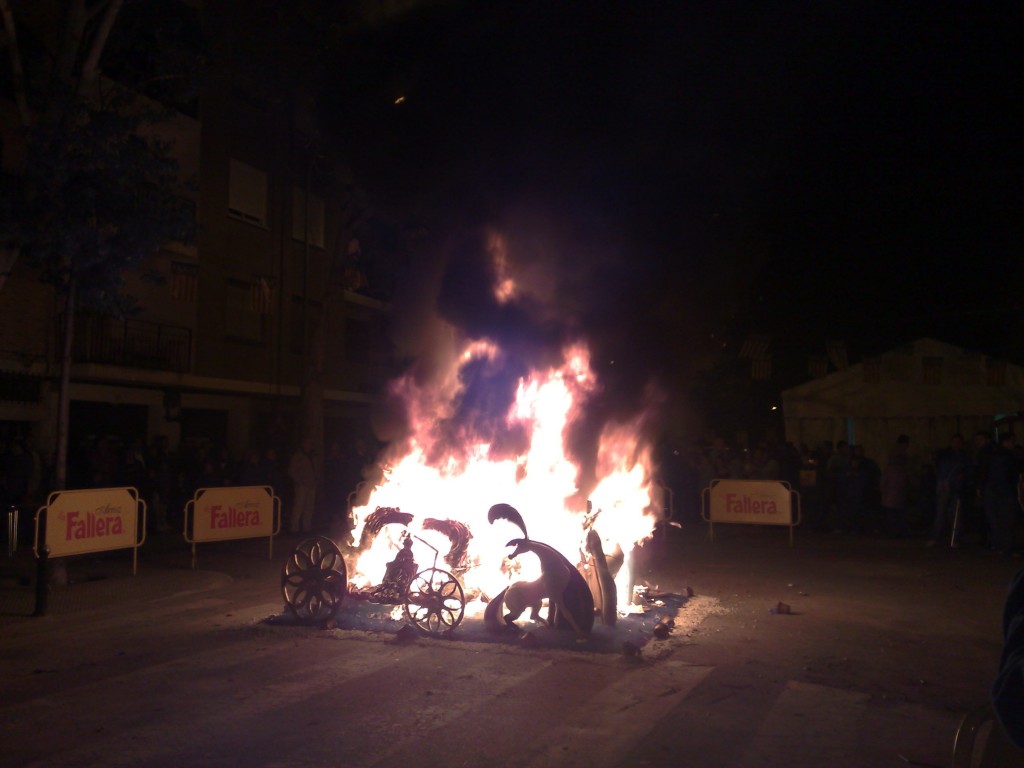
point(479, 420)
point(447, 466)
point(399, 575)
point(569, 599)
point(314, 584)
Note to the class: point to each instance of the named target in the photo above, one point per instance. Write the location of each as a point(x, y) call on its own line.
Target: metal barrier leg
point(42, 582)
point(956, 524)
point(12, 530)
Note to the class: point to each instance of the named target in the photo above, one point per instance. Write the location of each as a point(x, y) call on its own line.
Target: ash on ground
point(645, 630)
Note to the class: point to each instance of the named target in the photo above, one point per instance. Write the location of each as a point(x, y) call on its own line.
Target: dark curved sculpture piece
point(458, 534)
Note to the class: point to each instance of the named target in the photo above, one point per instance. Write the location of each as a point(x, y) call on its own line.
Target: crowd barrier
point(93, 520)
point(754, 502)
point(233, 512)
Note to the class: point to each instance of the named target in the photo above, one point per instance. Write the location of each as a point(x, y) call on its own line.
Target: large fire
point(451, 468)
point(440, 473)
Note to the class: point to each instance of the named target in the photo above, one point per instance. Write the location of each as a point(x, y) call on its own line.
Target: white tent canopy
point(927, 389)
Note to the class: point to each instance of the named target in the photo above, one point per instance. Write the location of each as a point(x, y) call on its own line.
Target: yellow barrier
point(92, 520)
point(754, 502)
point(233, 512)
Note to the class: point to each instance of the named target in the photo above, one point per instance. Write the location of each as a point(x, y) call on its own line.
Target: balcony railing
point(131, 343)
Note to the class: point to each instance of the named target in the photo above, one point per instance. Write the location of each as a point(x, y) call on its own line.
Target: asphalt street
point(883, 648)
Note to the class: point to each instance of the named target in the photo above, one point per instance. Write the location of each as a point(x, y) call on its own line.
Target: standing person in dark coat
point(851, 485)
point(872, 499)
point(983, 447)
point(225, 468)
point(836, 467)
point(162, 478)
point(210, 475)
point(1008, 689)
point(273, 474)
point(134, 472)
point(895, 489)
point(1000, 494)
point(19, 472)
point(250, 471)
point(952, 467)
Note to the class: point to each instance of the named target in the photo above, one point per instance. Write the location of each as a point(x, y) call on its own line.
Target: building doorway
point(111, 426)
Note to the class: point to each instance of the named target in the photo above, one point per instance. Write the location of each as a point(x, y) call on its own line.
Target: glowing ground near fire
point(635, 634)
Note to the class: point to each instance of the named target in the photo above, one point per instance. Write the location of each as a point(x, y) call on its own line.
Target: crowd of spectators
point(21, 473)
point(942, 496)
point(947, 496)
point(167, 477)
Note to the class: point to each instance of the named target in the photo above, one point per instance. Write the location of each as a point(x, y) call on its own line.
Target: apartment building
point(216, 350)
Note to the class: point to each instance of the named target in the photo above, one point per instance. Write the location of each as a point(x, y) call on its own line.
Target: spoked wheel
point(314, 579)
point(435, 601)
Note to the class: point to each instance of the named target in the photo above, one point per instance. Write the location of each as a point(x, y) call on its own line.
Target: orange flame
point(433, 475)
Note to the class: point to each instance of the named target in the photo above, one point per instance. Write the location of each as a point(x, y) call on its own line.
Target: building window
point(247, 193)
point(315, 212)
point(241, 320)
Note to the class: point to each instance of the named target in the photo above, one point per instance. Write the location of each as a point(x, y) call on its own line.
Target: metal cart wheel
point(435, 601)
point(314, 579)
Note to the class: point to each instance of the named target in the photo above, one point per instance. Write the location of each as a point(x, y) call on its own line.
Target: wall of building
point(241, 383)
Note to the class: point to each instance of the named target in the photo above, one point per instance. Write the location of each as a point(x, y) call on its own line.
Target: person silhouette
point(1008, 688)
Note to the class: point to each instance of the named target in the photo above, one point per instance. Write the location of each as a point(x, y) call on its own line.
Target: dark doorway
point(117, 424)
point(204, 432)
point(204, 425)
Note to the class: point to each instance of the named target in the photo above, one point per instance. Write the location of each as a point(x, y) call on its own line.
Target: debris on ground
point(631, 650)
point(528, 640)
point(664, 627)
point(634, 626)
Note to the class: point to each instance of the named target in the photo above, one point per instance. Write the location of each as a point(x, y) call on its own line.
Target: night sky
point(677, 176)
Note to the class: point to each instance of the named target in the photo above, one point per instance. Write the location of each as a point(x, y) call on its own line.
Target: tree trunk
point(18, 72)
point(60, 463)
point(317, 330)
point(90, 67)
point(312, 341)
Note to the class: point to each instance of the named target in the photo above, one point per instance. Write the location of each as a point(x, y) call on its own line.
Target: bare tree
point(95, 196)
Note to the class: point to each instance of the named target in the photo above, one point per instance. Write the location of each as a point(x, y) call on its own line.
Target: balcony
point(131, 343)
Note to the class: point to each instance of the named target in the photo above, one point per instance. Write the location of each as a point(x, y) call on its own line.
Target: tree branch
point(17, 72)
point(96, 10)
point(90, 66)
point(74, 29)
